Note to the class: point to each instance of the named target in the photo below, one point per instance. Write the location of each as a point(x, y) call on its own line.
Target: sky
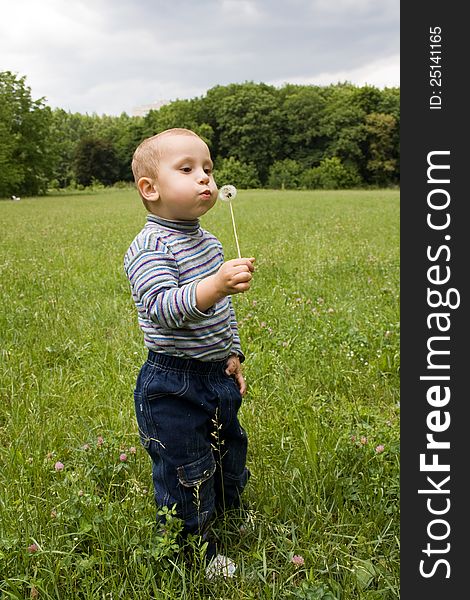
point(112, 56)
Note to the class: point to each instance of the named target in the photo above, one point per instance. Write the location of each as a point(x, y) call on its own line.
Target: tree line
point(295, 136)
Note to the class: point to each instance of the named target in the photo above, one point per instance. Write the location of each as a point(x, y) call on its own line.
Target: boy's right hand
point(234, 276)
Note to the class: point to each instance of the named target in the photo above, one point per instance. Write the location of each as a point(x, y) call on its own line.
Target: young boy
point(190, 389)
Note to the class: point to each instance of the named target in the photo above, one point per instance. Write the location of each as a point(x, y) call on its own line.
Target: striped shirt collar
point(183, 226)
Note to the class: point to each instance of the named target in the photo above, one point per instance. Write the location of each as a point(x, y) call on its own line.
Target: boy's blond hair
point(147, 154)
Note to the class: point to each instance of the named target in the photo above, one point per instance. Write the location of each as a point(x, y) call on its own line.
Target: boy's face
point(184, 188)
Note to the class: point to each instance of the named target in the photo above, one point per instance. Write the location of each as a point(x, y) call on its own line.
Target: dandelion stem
point(235, 229)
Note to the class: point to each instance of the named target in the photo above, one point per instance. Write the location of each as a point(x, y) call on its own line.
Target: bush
point(232, 171)
point(285, 174)
point(332, 174)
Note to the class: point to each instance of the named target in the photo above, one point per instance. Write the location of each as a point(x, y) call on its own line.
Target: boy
point(190, 389)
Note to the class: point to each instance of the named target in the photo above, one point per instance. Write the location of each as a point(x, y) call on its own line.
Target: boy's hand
point(234, 369)
point(233, 277)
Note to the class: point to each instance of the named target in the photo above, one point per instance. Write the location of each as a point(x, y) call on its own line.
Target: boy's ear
point(148, 189)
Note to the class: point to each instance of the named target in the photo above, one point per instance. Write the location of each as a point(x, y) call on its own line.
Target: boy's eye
point(208, 170)
point(186, 169)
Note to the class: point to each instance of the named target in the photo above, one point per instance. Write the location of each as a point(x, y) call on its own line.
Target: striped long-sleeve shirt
point(164, 264)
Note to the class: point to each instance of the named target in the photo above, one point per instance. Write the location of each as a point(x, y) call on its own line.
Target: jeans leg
point(175, 430)
point(232, 444)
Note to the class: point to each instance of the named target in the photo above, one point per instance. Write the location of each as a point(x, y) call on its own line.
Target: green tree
point(232, 171)
point(382, 134)
point(343, 124)
point(302, 109)
point(25, 156)
point(367, 98)
point(123, 133)
point(353, 136)
point(11, 172)
point(179, 113)
point(95, 159)
point(390, 102)
point(67, 129)
point(247, 119)
point(130, 132)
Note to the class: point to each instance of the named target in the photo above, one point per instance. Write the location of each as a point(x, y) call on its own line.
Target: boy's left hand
point(234, 369)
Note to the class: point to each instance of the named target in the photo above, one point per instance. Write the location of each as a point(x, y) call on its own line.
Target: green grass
point(320, 329)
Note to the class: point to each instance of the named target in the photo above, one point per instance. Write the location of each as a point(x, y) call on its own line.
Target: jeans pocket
point(198, 471)
point(162, 383)
point(196, 491)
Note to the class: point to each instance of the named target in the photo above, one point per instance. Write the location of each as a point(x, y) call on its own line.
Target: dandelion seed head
point(227, 193)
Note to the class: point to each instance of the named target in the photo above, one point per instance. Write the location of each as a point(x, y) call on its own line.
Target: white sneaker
point(220, 565)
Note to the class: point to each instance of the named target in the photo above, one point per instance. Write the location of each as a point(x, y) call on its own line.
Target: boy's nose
point(203, 177)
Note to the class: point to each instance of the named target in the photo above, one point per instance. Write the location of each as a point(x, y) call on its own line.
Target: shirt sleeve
point(236, 346)
point(154, 279)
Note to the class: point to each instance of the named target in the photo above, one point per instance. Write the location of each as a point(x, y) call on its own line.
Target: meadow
point(320, 330)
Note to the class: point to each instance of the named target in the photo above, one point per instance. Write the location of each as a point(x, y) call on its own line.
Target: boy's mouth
point(206, 193)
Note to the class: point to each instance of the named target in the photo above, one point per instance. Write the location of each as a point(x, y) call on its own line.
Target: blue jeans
point(186, 411)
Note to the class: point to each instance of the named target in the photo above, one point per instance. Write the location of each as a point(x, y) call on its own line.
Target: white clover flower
point(227, 193)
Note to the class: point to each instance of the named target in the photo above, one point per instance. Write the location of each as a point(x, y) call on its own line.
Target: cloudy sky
point(110, 56)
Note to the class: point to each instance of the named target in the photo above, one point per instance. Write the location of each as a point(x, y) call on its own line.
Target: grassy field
point(320, 329)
